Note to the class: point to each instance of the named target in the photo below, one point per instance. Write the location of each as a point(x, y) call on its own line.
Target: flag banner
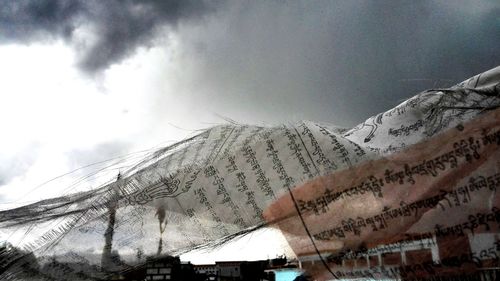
point(409, 193)
point(429, 209)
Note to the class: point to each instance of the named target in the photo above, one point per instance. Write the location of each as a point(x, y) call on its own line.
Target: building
point(418, 256)
point(168, 268)
point(229, 270)
point(171, 268)
point(249, 270)
point(206, 272)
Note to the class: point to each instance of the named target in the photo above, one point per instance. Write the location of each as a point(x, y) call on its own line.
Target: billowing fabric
point(315, 182)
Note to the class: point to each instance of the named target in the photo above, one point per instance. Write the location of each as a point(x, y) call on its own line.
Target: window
point(152, 271)
point(165, 270)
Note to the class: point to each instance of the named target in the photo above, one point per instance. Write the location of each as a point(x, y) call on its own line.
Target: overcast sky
point(86, 81)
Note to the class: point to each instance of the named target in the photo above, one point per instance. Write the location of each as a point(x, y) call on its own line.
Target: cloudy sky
point(82, 82)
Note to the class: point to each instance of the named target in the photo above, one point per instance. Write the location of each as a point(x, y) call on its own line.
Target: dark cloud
point(338, 61)
point(112, 29)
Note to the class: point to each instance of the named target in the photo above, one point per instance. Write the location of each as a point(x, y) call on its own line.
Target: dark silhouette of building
point(171, 268)
point(168, 268)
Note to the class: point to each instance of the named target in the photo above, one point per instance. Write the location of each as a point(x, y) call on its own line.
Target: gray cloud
point(117, 27)
point(264, 61)
point(98, 153)
point(337, 61)
point(14, 165)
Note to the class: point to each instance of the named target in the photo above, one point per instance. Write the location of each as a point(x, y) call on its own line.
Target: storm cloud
point(253, 62)
point(265, 61)
point(103, 32)
point(336, 61)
